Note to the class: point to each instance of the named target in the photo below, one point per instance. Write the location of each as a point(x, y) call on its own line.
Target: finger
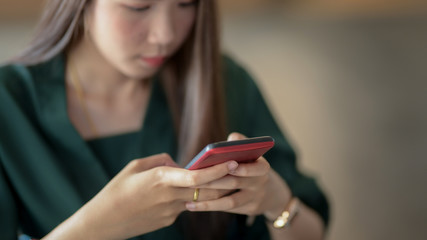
point(235, 136)
point(231, 182)
point(143, 164)
point(258, 168)
point(187, 194)
point(180, 177)
point(226, 203)
point(246, 209)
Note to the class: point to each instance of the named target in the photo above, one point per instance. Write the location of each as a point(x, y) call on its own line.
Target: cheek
point(183, 25)
point(129, 31)
point(117, 32)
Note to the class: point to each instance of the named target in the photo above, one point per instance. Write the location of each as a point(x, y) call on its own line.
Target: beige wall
point(361, 6)
point(19, 9)
point(335, 7)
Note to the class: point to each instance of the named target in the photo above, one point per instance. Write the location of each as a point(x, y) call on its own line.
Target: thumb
point(235, 136)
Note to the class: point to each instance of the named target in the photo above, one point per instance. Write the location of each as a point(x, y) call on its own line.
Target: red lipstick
point(154, 61)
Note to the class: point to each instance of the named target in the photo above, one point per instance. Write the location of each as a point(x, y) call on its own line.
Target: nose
point(162, 32)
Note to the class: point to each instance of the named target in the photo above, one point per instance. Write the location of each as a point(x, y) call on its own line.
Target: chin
point(141, 73)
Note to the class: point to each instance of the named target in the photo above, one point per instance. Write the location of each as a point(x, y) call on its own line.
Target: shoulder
point(12, 75)
point(237, 79)
point(23, 88)
point(19, 80)
point(234, 72)
point(242, 96)
point(15, 82)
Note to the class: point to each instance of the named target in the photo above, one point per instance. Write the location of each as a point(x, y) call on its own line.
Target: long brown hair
point(192, 81)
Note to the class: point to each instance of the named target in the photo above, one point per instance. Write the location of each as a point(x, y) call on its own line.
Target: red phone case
point(245, 150)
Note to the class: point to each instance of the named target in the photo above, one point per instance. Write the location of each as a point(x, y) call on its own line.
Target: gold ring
point(196, 195)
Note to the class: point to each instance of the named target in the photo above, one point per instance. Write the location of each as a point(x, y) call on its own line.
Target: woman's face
point(138, 36)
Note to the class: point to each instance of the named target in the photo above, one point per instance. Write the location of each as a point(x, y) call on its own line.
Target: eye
point(189, 4)
point(138, 9)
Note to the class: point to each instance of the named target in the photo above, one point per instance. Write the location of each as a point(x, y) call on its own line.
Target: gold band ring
point(196, 195)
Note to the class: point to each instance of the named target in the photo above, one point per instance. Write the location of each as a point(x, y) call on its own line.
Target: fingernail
point(190, 206)
point(231, 137)
point(232, 166)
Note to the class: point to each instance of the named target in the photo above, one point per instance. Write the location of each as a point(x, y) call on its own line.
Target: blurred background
point(346, 79)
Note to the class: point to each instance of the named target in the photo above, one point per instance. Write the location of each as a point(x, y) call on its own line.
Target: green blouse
point(47, 171)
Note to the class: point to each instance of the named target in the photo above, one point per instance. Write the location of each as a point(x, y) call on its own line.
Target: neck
point(96, 75)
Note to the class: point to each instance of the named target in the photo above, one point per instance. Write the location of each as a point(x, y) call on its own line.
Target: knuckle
point(243, 171)
point(165, 156)
point(159, 172)
point(204, 206)
point(134, 164)
point(232, 202)
point(192, 179)
point(234, 183)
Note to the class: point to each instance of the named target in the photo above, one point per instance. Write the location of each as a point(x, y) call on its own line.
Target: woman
point(105, 82)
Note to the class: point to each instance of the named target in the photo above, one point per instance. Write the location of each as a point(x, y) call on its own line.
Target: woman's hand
point(260, 190)
point(146, 195)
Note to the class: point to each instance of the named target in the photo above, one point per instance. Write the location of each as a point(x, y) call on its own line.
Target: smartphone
point(245, 150)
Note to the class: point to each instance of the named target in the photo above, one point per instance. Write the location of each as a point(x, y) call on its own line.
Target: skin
point(150, 193)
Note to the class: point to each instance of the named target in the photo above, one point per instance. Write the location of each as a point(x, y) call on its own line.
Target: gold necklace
point(75, 81)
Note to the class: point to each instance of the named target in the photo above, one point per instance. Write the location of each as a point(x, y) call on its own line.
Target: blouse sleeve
point(8, 207)
point(249, 114)
point(8, 210)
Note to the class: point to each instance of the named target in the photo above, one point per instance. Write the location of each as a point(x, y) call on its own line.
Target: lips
point(154, 61)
